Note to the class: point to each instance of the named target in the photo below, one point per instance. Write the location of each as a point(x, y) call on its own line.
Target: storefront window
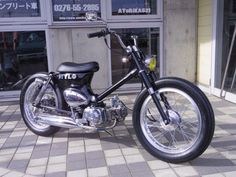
point(74, 10)
point(229, 22)
point(148, 42)
point(21, 54)
point(22, 8)
point(134, 7)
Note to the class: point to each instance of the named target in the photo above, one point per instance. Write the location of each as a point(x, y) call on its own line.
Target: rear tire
point(189, 133)
point(29, 112)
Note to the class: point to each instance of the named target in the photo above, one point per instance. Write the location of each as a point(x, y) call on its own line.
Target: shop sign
point(134, 11)
point(72, 10)
point(19, 8)
point(134, 7)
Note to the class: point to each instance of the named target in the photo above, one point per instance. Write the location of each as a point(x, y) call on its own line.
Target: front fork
point(156, 96)
point(162, 96)
point(149, 82)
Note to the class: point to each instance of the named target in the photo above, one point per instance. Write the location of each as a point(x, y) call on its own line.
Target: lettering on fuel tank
point(67, 76)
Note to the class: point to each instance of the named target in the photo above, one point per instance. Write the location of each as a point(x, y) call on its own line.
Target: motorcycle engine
point(103, 116)
point(95, 116)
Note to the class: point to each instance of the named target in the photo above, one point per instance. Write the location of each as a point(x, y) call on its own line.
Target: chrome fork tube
point(149, 84)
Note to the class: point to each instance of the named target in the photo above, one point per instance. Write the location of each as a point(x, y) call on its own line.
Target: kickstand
point(108, 132)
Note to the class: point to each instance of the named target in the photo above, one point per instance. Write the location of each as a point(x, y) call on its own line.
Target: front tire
point(191, 125)
point(30, 112)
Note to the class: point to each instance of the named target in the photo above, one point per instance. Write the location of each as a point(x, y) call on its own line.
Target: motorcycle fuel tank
point(74, 97)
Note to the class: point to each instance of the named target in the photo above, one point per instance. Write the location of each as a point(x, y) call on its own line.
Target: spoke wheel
point(29, 112)
point(184, 127)
point(191, 125)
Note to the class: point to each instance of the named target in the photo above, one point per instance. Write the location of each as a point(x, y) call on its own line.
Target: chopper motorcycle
point(172, 118)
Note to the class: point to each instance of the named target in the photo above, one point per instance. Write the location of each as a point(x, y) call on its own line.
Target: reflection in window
point(21, 54)
point(148, 42)
point(22, 8)
point(134, 7)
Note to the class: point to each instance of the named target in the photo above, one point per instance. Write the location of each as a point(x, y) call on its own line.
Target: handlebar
point(103, 33)
point(98, 34)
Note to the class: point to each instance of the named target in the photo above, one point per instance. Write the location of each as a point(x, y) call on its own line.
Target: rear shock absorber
point(39, 84)
point(42, 91)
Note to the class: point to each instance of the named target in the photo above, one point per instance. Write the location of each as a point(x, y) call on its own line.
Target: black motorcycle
point(172, 118)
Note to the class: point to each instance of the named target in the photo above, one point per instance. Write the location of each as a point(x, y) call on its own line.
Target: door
point(225, 77)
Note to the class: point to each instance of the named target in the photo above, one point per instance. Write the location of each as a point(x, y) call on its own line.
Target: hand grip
point(97, 34)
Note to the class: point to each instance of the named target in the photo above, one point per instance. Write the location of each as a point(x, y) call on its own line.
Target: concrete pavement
point(75, 153)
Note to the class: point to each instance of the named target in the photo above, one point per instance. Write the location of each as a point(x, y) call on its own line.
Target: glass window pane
point(134, 7)
point(21, 54)
point(148, 42)
point(221, 62)
point(74, 10)
point(22, 8)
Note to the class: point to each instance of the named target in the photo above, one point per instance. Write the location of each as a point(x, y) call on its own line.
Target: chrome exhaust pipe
point(56, 120)
point(67, 122)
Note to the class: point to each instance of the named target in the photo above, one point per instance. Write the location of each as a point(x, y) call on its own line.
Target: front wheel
point(191, 126)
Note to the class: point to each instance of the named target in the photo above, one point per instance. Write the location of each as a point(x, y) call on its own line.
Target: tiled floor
point(76, 153)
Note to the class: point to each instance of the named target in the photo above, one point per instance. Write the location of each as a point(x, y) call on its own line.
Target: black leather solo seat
point(70, 67)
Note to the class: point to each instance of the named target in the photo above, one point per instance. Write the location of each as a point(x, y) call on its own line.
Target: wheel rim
point(32, 112)
point(185, 122)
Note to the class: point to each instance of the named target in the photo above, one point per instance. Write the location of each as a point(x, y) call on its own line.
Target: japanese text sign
point(19, 8)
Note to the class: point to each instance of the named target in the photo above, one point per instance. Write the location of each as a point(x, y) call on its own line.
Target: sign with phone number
point(73, 10)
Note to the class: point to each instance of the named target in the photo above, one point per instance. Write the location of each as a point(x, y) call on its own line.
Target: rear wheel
point(30, 112)
point(191, 124)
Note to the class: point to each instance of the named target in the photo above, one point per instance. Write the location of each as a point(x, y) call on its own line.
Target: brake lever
point(105, 39)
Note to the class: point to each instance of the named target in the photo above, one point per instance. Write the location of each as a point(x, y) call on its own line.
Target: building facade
point(191, 39)
point(38, 35)
point(216, 62)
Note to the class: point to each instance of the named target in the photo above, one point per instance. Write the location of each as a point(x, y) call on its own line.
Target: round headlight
point(151, 63)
